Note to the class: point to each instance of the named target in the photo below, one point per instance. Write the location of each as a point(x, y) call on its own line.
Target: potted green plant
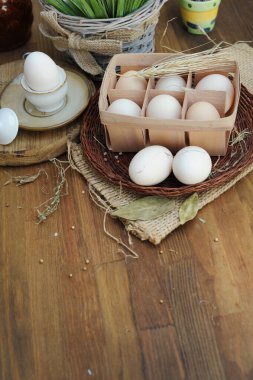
point(92, 31)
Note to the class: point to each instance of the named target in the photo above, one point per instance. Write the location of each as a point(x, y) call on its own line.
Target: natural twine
point(80, 48)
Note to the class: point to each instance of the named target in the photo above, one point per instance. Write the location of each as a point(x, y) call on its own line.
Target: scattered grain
point(216, 239)
point(87, 261)
point(41, 261)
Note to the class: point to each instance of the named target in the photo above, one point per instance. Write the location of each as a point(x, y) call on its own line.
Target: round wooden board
point(32, 147)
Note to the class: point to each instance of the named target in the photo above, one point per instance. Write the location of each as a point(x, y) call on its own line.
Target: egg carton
point(130, 134)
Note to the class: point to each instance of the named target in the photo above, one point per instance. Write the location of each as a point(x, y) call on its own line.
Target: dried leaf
point(146, 208)
point(189, 208)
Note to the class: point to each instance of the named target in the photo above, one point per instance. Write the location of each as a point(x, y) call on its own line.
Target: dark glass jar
point(16, 19)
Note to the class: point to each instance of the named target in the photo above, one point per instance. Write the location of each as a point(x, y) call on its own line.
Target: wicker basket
point(134, 32)
point(115, 167)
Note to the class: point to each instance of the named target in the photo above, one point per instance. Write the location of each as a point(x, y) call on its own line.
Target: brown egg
point(202, 111)
point(130, 81)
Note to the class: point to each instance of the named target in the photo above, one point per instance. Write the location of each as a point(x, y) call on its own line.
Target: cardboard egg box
point(130, 134)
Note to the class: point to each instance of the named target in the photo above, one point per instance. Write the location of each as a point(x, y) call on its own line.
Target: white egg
point(192, 165)
point(164, 107)
point(130, 81)
point(124, 107)
point(151, 165)
point(202, 111)
point(8, 126)
point(218, 82)
point(171, 83)
point(40, 72)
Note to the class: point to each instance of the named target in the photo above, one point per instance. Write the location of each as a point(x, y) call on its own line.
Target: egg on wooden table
point(218, 82)
point(131, 81)
point(192, 165)
point(151, 165)
point(204, 111)
point(164, 107)
point(171, 83)
point(124, 107)
point(40, 72)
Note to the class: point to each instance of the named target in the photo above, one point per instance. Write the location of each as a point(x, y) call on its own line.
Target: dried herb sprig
point(51, 205)
point(22, 180)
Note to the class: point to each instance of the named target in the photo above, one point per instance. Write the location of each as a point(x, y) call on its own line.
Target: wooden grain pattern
point(183, 310)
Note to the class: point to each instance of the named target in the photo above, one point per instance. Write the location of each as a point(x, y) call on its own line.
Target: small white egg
point(202, 111)
point(151, 165)
point(8, 126)
point(164, 107)
point(171, 83)
point(130, 81)
point(192, 165)
point(218, 82)
point(40, 72)
point(124, 107)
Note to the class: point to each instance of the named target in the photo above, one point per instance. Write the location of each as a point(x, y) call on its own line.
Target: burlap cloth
point(107, 194)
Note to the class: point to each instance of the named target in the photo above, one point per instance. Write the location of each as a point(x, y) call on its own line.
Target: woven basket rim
point(95, 148)
point(129, 21)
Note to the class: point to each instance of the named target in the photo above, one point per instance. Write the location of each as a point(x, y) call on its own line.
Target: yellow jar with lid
point(199, 16)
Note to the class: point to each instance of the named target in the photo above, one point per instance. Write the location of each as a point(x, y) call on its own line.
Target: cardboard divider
point(130, 134)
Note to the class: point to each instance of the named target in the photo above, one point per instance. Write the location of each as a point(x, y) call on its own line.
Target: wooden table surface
point(107, 322)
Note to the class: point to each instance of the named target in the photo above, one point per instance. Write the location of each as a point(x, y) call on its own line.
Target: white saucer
point(80, 89)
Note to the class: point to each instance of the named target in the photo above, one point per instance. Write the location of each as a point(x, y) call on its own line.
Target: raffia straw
point(104, 206)
point(174, 50)
point(183, 63)
point(51, 205)
point(25, 179)
point(133, 255)
point(210, 59)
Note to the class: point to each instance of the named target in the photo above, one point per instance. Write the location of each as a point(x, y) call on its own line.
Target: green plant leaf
point(62, 7)
point(147, 208)
point(95, 9)
point(99, 8)
point(74, 8)
point(189, 208)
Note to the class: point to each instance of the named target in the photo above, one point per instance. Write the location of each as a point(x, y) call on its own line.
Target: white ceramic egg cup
point(47, 101)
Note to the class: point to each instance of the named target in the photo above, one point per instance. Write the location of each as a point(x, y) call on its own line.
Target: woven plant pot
point(92, 42)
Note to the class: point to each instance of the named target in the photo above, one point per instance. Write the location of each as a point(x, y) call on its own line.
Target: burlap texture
point(108, 194)
point(80, 48)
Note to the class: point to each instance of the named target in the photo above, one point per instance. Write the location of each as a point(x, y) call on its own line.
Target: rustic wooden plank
point(193, 323)
point(147, 282)
point(122, 347)
point(162, 358)
point(237, 355)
